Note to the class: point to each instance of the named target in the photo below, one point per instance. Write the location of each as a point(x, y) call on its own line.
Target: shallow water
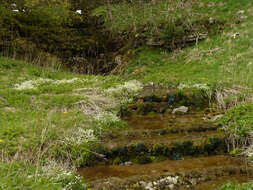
point(166, 129)
point(161, 168)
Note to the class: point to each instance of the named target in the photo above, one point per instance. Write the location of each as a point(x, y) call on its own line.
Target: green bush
point(238, 120)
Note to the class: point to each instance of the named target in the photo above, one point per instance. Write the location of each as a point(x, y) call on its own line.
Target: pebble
point(240, 12)
point(181, 109)
point(235, 35)
point(79, 11)
point(128, 163)
point(171, 186)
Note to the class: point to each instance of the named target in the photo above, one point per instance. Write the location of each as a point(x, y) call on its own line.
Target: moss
point(142, 159)
point(158, 158)
point(152, 98)
point(116, 161)
point(158, 150)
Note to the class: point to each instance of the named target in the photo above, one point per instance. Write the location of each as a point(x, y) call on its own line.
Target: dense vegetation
point(50, 33)
point(51, 119)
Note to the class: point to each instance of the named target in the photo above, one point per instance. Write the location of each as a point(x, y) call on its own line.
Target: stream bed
point(165, 151)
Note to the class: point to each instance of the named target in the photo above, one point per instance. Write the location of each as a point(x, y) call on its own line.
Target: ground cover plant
point(51, 121)
point(232, 186)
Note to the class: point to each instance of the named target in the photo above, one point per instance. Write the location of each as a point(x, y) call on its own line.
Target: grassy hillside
point(50, 123)
point(222, 58)
point(51, 120)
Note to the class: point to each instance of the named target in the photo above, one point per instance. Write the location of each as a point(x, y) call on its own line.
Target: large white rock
point(79, 11)
point(181, 109)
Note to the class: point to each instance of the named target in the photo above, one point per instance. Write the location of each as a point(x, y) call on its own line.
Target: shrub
point(238, 120)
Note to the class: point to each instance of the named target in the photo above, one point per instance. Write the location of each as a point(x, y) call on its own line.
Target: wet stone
point(165, 151)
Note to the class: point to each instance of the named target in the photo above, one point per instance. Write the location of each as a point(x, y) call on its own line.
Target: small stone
point(211, 20)
point(235, 35)
point(240, 12)
point(149, 186)
point(171, 186)
point(240, 19)
point(142, 183)
point(181, 109)
point(163, 180)
point(128, 163)
point(193, 181)
point(169, 178)
point(79, 11)
point(174, 180)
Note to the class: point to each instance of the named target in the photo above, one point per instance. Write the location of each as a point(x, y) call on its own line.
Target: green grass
point(232, 186)
point(220, 59)
point(47, 126)
point(156, 16)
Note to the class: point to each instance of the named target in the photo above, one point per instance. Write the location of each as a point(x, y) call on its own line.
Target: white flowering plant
point(196, 86)
point(125, 91)
point(66, 178)
point(34, 84)
point(107, 120)
point(82, 135)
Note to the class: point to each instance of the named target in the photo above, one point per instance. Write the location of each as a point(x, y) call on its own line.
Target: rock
point(235, 35)
point(79, 11)
point(118, 60)
point(240, 12)
point(142, 183)
point(171, 186)
point(193, 181)
point(128, 163)
point(181, 109)
point(211, 20)
point(241, 18)
point(149, 186)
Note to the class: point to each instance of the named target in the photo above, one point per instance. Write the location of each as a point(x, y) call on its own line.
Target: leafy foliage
point(238, 119)
point(232, 186)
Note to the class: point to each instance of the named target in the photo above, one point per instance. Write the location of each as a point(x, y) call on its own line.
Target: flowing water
point(166, 151)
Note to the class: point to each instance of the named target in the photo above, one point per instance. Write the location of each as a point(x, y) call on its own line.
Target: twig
point(97, 154)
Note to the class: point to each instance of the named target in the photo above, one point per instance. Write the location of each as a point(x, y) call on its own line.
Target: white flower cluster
point(107, 117)
point(197, 86)
point(130, 87)
point(57, 174)
point(126, 91)
point(82, 135)
point(33, 84)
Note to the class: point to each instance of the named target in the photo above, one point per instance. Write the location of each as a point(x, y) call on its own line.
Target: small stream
point(161, 151)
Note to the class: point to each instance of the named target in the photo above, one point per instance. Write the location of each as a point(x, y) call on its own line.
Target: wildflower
point(125, 91)
point(82, 135)
point(32, 84)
